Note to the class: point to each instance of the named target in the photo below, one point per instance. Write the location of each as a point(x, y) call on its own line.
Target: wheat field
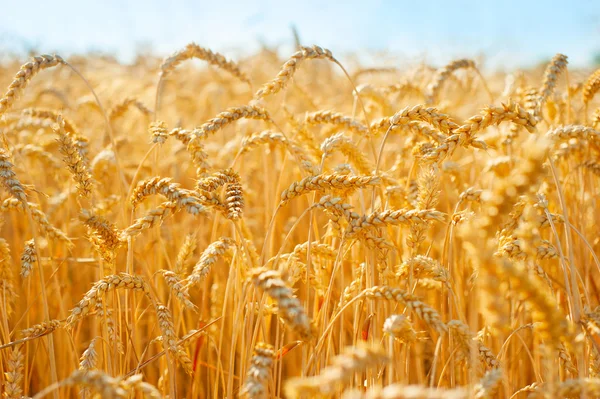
point(273, 227)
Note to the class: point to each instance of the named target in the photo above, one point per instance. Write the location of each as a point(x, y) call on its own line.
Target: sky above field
point(509, 33)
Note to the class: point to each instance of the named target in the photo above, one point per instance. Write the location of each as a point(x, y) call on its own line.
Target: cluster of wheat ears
point(175, 230)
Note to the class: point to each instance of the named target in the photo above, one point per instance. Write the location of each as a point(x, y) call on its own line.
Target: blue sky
point(508, 32)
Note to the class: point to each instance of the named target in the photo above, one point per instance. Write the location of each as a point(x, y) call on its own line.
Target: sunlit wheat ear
point(405, 116)
point(465, 134)
point(400, 328)
point(591, 87)
point(181, 197)
point(209, 257)
point(165, 322)
point(192, 50)
point(555, 68)
point(28, 258)
point(424, 311)
point(99, 290)
point(154, 217)
point(289, 69)
point(9, 178)
point(341, 372)
point(72, 158)
point(442, 75)
point(226, 118)
point(41, 329)
point(178, 288)
point(24, 76)
point(13, 376)
point(290, 308)
point(257, 376)
point(158, 132)
point(340, 142)
point(488, 386)
point(326, 183)
point(119, 110)
point(338, 120)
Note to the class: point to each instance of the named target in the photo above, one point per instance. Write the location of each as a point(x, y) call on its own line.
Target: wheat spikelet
point(108, 232)
point(340, 373)
point(259, 371)
point(24, 76)
point(7, 286)
point(100, 288)
point(289, 69)
point(489, 385)
point(289, 306)
point(393, 217)
point(442, 74)
point(347, 147)
point(192, 50)
point(468, 342)
point(185, 254)
point(580, 132)
point(423, 267)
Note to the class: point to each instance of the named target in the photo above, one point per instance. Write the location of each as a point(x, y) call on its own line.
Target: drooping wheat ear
point(393, 217)
point(337, 210)
point(107, 231)
point(424, 311)
point(99, 290)
point(400, 327)
point(493, 115)
point(9, 178)
point(192, 50)
point(439, 121)
point(290, 308)
point(13, 376)
point(467, 342)
point(165, 322)
point(442, 74)
point(423, 267)
point(339, 142)
point(50, 114)
point(488, 386)
point(184, 256)
point(22, 78)
point(300, 155)
point(121, 108)
point(355, 359)
point(580, 132)
point(158, 131)
point(181, 197)
point(154, 217)
point(178, 288)
point(337, 119)
point(28, 258)
point(227, 117)
point(592, 85)
point(327, 183)
point(257, 376)
point(289, 68)
point(38, 216)
point(73, 159)
point(43, 328)
point(555, 68)
point(7, 283)
point(209, 257)
point(196, 149)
